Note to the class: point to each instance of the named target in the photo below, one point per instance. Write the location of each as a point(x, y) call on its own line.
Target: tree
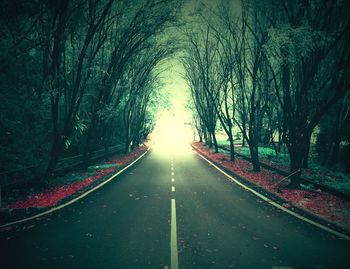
point(141, 77)
point(308, 52)
point(199, 71)
point(245, 39)
point(56, 68)
point(64, 63)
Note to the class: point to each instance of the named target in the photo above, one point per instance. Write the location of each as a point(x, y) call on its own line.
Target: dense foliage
point(78, 75)
point(278, 71)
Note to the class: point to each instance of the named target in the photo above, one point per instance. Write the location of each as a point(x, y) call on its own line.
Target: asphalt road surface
point(171, 210)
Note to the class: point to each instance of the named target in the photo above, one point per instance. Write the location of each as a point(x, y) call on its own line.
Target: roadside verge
point(48, 201)
point(320, 209)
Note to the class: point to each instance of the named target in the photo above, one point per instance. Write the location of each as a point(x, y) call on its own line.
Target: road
point(171, 209)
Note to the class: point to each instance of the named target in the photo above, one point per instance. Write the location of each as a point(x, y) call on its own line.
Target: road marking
point(172, 188)
point(172, 179)
point(77, 198)
point(172, 173)
point(264, 198)
point(174, 260)
point(172, 168)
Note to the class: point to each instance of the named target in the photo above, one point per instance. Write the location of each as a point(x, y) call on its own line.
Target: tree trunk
point(254, 155)
point(127, 148)
point(243, 141)
point(205, 137)
point(306, 149)
point(215, 142)
point(209, 140)
point(232, 148)
point(295, 166)
point(56, 146)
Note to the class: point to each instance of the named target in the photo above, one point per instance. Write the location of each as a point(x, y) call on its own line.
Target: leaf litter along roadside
point(74, 182)
point(315, 174)
point(323, 204)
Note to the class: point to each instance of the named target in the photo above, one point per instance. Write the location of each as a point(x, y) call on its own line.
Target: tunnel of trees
point(273, 67)
point(78, 76)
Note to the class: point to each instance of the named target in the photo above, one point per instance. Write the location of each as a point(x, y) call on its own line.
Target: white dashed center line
point(174, 261)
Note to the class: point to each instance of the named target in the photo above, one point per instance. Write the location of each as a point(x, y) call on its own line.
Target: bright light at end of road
point(173, 132)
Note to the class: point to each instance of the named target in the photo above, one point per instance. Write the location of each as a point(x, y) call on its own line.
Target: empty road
point(170, 210)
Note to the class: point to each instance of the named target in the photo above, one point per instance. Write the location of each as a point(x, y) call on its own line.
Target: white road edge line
point(77, 198)
point(174, 260)
point(325, 228)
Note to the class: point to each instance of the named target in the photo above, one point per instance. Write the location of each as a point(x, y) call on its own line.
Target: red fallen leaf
point(51, 197)
point(320, 203)
point(54, 195)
